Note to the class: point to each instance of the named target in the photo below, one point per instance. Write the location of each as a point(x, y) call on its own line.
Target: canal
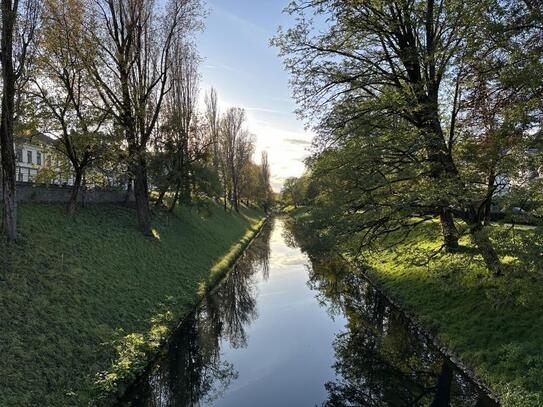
point(282, 330)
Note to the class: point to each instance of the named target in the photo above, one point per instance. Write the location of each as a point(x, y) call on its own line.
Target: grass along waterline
point(493, 324)
point(89, 294)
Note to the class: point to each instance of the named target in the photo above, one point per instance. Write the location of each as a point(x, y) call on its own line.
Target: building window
point(19, 154)
point(29, 156)
point(38, 158)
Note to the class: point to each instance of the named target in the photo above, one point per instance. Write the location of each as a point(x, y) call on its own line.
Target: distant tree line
point(116, 84)
point(422, 108)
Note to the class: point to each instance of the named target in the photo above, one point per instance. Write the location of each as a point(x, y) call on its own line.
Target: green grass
point(85, 300)
point(495, 325)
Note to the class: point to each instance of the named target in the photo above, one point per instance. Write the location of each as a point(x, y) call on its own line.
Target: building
point(31, 154)
point(34, 153)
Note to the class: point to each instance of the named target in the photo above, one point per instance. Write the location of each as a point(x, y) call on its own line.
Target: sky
point(246, 72)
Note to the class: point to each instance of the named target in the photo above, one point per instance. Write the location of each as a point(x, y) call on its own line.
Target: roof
point(35, 138)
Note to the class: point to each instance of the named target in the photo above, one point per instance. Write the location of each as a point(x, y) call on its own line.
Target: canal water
point(284, 330)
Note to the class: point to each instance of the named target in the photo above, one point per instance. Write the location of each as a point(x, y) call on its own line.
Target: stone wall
point(27, 192)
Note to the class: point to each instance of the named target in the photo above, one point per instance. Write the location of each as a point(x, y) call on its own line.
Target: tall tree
point(179, 137)
point(19, 23)
point(265, 195)
point(212, 116)
point(134, 43)
point(62, 85)
point(390, 59)
point(237, 146)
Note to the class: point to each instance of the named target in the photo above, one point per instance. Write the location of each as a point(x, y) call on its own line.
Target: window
point(29, 156)
point(19, 153)
point(38, 158)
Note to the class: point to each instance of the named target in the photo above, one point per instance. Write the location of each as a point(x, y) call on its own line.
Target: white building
point(34, 153)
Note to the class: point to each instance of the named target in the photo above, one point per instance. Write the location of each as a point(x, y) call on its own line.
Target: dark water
point(281, 331)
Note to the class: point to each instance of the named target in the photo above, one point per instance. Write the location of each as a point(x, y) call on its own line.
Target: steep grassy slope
point(89, 294)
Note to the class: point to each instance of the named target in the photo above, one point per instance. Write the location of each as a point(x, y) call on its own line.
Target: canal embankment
point(489, 326)
point(284, 328)
point(87, 300)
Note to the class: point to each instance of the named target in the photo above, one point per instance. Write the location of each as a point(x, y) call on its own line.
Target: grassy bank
point(84, 300)
point(495, 325)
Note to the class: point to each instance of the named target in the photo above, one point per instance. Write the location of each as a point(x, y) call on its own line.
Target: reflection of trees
point(192, 370)
point(261, 248)
point(380, 360)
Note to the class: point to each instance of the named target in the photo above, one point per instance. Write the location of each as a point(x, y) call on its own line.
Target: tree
point(19, 23)
point(293, 192)
point(237, 147)
point(392, 63)
point(65, 90)
point(130, 72)
point(265, 195)
point(212, 116)
point(181, 139)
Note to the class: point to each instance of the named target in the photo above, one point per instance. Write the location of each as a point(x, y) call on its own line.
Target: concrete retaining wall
point(54, 194)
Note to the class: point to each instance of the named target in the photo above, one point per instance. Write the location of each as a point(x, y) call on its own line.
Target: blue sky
point(246, 72)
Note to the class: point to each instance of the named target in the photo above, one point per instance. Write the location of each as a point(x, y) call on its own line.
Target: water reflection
point(381, 359)
point(192, 372)
point(378, 357)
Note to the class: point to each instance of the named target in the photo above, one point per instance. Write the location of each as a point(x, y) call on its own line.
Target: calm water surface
point(287, 330)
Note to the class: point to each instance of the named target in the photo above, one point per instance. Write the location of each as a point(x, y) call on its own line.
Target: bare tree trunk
point(235, 197)
point(84, 190)
point(72, 203)
point(128, 192)
point(9, 219)
point(450, 234)
point(480, 237)
point(175, 197)
point(141, 194)
point(445, 169)
point(442, 169)
point(488, 201)
point(186, 195)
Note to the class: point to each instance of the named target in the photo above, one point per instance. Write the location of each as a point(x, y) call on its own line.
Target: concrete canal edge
point(110, 392)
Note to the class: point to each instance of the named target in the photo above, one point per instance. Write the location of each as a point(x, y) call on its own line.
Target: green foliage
point(90, 295)
point(493, 324)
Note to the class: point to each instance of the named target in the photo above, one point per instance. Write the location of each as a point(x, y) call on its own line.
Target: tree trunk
point(450, 234)
point(488, 201)
point(84, 189)
point(480, 237)
point(442, 166)
point(72, 203)
point(9, 219)
point(186, 188)
point(175, 197)
point(141, 193)
point(235, 198)
point(128, 192)
point(9, 223)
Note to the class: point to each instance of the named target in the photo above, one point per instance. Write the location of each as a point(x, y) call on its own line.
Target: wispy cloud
point(264, 110)
point(297, 141)
point(250, 27)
